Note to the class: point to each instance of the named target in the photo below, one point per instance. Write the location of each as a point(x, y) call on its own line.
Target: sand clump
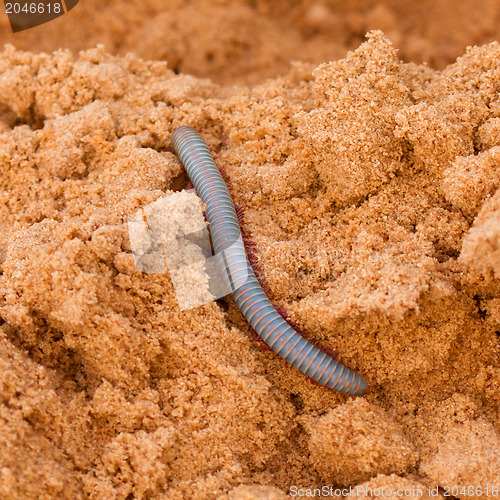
point(369, 186)
point(356, 441)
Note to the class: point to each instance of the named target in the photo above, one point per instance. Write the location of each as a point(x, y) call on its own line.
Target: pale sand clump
point(484, 239)
point(369, 187)
point(473, 447)
point(357, 441)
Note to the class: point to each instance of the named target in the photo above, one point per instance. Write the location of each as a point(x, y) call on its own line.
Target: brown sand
point(371, 187)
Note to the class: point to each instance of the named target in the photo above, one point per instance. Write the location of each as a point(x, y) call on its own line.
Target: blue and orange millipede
point(248, 294)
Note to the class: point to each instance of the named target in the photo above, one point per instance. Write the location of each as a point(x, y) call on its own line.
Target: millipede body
point(247, 292)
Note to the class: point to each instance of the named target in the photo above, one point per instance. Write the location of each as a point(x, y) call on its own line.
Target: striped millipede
point(247, 292)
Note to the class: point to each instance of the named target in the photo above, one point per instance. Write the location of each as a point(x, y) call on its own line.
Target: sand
point(370, 183)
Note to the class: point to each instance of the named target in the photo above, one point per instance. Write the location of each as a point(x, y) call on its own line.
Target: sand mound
point(371, 189)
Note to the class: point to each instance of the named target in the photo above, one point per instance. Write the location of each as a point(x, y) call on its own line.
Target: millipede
point(247, 292)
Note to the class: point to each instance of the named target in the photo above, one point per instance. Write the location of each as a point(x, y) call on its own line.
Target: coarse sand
point(371, 189)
